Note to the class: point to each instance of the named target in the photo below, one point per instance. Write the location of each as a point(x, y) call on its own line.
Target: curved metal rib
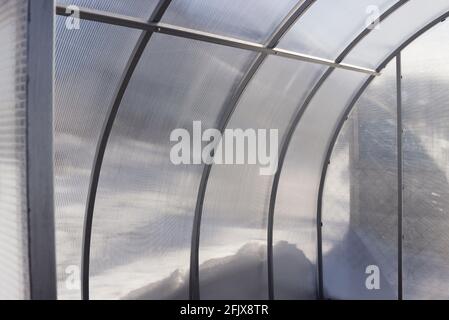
point(351, 105)
point(103, 141)
point(228, 111)
point(289, 134)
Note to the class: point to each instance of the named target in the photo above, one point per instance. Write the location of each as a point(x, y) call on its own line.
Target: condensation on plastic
point(329, 26)
point(134, 8)
point(360, 217)
point(252, 20)
point(89, 63)
point(143, 217)
point(426, 171)
point(233, 230)
point(295, 212)
point(14, 274)
point(393, 31)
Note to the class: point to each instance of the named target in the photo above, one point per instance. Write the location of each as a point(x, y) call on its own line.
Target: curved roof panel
point(252, 20)
point(329, 26)
point(392, 32)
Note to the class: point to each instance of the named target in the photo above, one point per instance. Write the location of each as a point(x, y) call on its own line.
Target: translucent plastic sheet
point(426, 172)
point(13, 198)
point(360, 217)
point(295, 213)
point(143, 217)
point(144, 212)
point(234, 224)
point(253, 20)
point(89, 63)
point(329, 26)
point(393, 31)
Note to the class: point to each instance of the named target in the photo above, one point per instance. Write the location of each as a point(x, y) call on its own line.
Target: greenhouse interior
point(224, 150)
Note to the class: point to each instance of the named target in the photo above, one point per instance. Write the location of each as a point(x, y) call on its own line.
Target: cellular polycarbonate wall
point(412, 16)
point(234, 224)
point(253, 20)
point(298, 186)
point(426, 165)
point(177, 81)
point(144, 212)
point(13, 196)
point(329, 26)
point(136, 8)
point(88, 65)
point(360, 212)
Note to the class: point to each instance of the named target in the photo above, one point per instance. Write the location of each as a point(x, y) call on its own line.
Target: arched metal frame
point(154, 26)
point(339, 126)
point(103, 141)
point(288, 138)
point(285, 25)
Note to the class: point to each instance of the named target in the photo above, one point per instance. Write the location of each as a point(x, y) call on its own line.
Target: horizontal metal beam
point(177, 31)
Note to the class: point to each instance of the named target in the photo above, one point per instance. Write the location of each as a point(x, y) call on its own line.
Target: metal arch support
point(224, 119)
point(103, 141)
point(350, 107)
point(399, 137)
point(289, 134)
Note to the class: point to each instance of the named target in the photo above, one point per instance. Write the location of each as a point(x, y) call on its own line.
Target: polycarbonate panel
point(426, 170)
point(145, 204)
point(360, 211)
point(395, 30)
point(295, 212)
point(233, 243)
point(329, 26)
point(88, 65)
point(136, 8)
point(14, 277)
point(253, 20)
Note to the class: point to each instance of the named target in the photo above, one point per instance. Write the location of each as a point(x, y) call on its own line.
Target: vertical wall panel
point(13, 196)
point(295, 212)
point(426, 165)
point(234, 224)
point(143, 217)
point(359, 215)
point(89, 63)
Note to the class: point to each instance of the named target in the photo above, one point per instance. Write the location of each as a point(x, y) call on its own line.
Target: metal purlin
point(228, 111)
point(192, 34)
point(344, 118)
point(103, 141)
point(288, 137)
